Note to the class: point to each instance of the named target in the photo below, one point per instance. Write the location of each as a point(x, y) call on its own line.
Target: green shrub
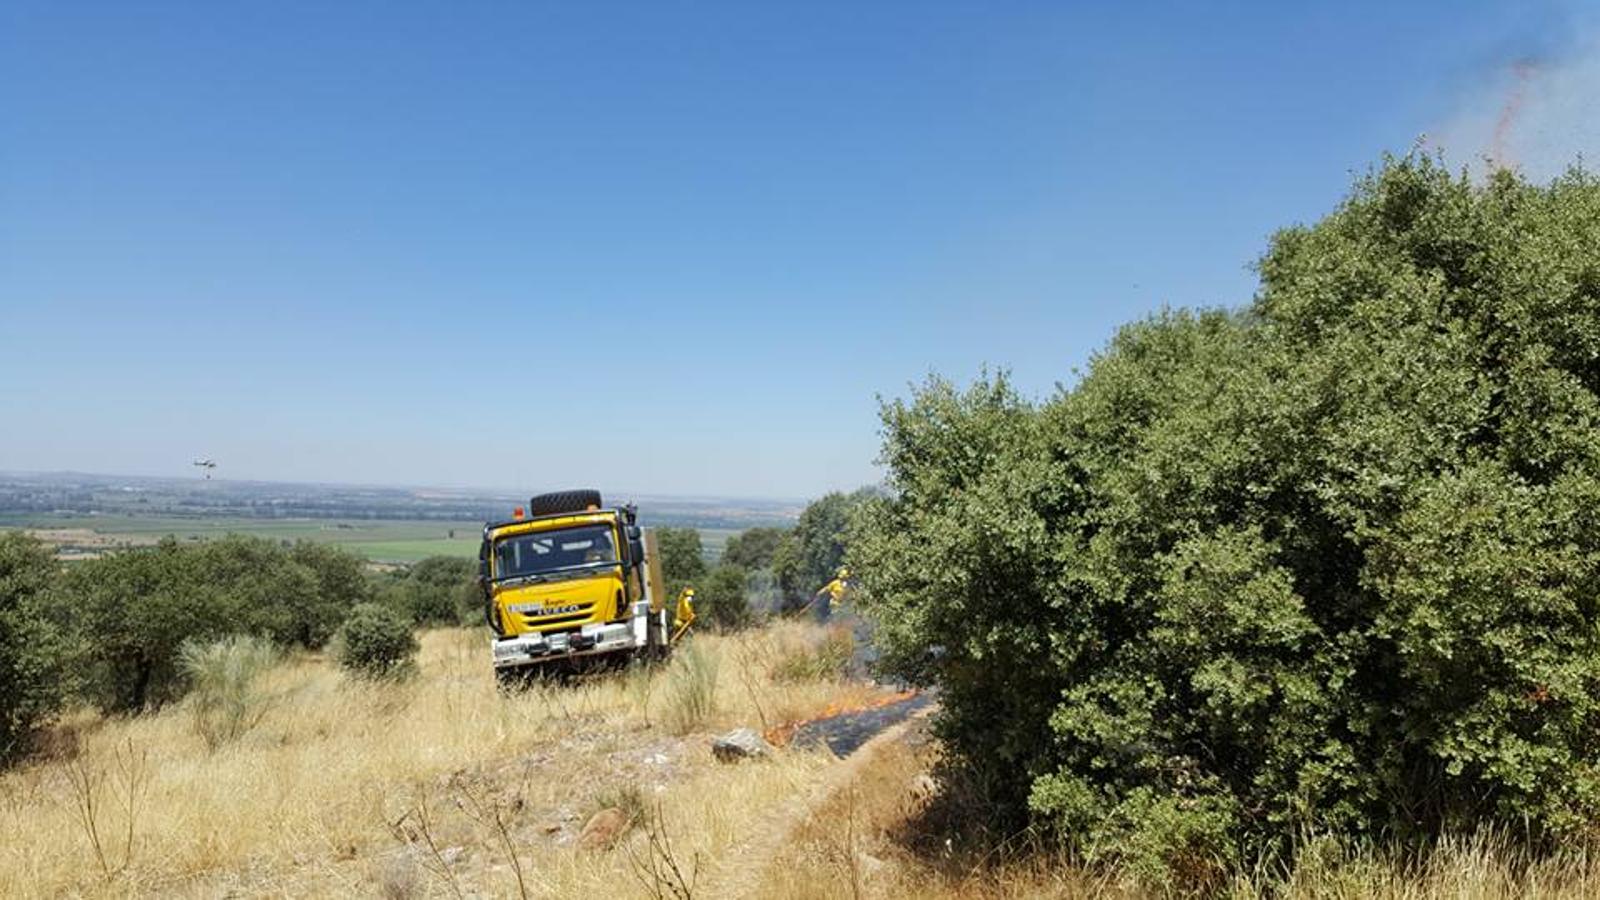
point(1326, 564)
point(753, 548)
point(268, 592)
point(158, 598)
point(808, 556)
point(341, 583)
point(224, 686)
point(376, 643)
point(722, 602)
point(442, 590)
point(35, 653)
point(137, 607)
point(683, 561)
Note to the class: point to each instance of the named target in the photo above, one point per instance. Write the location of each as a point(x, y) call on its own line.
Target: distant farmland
point(398, 541)
point(380, 541)
point(85, 515)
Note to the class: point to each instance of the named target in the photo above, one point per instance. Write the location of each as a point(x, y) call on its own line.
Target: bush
point(1327, 564)
point(35, 653)
point(809, 555)
point(165, 596)
point(159, 599)
point(683, 560)
point(753, 548)
point(722, 603)
point(269, 592)
point(435, 590)
point(224, 686)
point(376, 643)
point(628, 798)
point(341, 583)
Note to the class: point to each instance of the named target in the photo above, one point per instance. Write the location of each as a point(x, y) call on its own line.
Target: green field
point(411, 551)
point(712, 540)
point(387, 541)
point(380, 541)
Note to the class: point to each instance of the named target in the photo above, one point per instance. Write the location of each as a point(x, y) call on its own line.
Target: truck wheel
point(563, 501)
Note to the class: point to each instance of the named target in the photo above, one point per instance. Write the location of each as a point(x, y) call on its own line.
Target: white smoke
point(1535, 115)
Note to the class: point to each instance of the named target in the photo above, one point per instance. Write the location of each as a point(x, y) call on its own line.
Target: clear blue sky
point(658, 247)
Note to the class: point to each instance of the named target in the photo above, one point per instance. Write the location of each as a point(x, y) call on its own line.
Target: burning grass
point(780, 735)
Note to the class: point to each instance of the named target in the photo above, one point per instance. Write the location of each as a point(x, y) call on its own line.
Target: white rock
point(741, 743)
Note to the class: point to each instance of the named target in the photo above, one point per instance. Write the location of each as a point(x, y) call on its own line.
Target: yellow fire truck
point(568, 580)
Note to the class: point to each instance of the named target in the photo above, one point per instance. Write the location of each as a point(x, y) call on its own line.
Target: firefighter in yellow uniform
point(683, 614)
point(832, 594)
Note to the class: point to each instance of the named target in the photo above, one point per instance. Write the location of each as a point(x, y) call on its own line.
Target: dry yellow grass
point(443, 787)
point(434, 787)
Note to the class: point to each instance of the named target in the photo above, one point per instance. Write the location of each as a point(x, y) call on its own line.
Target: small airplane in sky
point(208, 465)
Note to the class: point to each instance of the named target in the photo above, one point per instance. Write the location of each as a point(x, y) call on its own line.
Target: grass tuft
point(627, 797)
point(815, 658)
point(691, 689)
point(225, 695)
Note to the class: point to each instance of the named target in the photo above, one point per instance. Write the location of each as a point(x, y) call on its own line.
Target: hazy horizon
point(677, 248)
point(617, 494)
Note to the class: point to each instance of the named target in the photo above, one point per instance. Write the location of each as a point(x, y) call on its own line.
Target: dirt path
point(744, 871)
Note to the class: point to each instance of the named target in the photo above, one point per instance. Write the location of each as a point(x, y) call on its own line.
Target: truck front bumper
point(590, 640)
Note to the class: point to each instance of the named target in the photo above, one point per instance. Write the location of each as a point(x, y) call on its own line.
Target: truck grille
point(565, 618)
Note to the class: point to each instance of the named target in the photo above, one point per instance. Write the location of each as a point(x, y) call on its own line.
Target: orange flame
point(780, 735)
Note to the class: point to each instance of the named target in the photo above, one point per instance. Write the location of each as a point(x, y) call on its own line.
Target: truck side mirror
point(636, 550)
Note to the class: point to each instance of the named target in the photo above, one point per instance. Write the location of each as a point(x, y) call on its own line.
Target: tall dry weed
point(225, 692)
point(97, 793)
point(811, 657)
point(691, 694)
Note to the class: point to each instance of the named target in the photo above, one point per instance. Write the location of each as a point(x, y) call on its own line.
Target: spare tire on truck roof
point(564, 501)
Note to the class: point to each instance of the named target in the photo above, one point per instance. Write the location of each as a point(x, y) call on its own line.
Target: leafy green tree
point(722, 600)
point(163, 596)
point(135, 609)
point(445, 572)
point(36, 656)
point(341, 584)
point(1327, 564)
point(271, 594)
point(753, 548)
point(682, 557)
point(436, 590)
point(810, 555)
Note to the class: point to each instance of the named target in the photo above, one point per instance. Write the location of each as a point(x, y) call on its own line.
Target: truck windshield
point(547, 551)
